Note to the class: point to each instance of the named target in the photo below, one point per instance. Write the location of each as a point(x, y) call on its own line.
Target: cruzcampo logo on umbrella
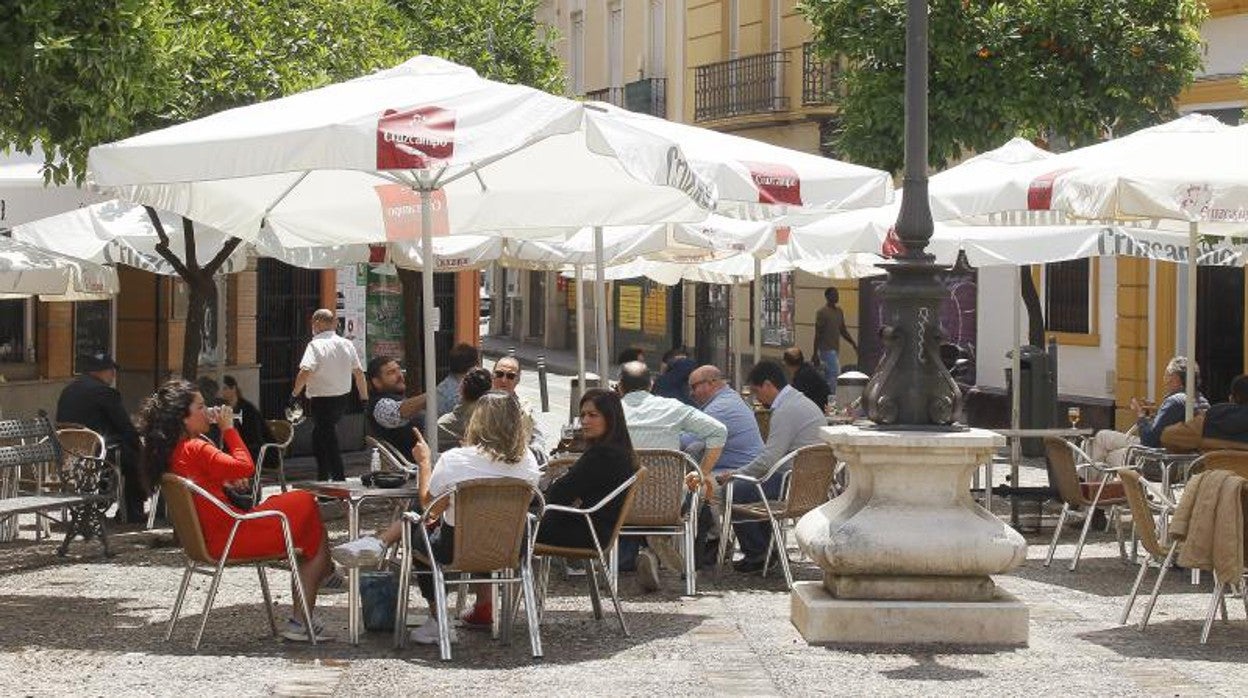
point(777, 184)
point(415, 139)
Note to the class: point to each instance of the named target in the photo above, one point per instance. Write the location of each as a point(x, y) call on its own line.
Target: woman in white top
point(495, 446)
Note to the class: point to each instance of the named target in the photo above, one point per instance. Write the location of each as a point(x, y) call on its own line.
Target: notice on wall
point(778, 304)
point(352, 292)
point(383, 315)
point(655, 317)
point(629, 308)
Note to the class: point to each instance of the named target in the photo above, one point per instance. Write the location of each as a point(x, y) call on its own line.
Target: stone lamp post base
point(906, 553)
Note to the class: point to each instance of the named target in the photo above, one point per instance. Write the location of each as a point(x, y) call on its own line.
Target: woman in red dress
point(173, 419)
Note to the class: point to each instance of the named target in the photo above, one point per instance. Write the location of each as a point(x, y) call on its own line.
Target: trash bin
point(850, 386)
point(1039, 395)
point(574, 404)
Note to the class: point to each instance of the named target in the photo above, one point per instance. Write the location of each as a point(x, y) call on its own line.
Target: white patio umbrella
point(28, 270)
point(24, 195)
point(426, 148)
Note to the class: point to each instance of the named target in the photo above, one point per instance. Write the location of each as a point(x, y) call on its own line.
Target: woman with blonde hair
point(495, 446)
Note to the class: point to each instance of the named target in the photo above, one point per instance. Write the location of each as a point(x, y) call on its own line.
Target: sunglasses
point(506, 374)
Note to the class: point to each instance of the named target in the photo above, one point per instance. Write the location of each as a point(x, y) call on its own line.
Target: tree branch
point(226, 250)
point(162, 247)
point(188, 239)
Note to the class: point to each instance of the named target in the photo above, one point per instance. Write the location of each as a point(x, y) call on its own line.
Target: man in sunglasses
point(506, 378)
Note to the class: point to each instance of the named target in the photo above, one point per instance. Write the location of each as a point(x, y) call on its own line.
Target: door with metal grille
point(711, 325)
point(286, 299)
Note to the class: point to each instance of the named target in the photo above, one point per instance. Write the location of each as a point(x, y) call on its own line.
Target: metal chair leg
point(691, 564)
point(1161, 576)
point(281, 470)
point(615, 600)
point(594, 598)
point(268, 598)
point(153, 502)
point(1135, 589)
point(1057, 531)
point(439, 601)
point(725, 531)
point(177, 604)
point(405, 580)
point(1083, 537)
point(778, 536)
point(1218, 588)
point(212, 595)
point(530, 609)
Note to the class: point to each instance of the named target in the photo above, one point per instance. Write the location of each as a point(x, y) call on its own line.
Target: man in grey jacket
point(795, 422)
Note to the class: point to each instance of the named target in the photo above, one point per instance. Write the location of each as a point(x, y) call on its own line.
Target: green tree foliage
point(74, 74)
point(1069, 70)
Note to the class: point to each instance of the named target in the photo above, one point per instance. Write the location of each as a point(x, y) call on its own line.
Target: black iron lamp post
point(911, 387)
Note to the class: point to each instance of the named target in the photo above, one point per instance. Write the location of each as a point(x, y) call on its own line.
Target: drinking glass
point(1073, 414)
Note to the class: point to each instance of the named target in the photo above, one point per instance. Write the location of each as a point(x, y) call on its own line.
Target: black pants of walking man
point(326, 411)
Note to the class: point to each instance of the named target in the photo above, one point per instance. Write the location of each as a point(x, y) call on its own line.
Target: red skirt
point(263, 537)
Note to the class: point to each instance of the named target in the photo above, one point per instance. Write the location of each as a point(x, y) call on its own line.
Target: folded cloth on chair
point(1210, 522)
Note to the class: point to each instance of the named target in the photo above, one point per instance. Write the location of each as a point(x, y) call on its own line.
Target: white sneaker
point(361, 552)
point(427, 633)
point(296, 632)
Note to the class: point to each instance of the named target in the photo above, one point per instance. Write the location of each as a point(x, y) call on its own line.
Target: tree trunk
point(200, 292)
point(1035, 313)
point(413, 328)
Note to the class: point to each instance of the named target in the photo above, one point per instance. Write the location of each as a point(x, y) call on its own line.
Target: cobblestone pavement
point(94, 626)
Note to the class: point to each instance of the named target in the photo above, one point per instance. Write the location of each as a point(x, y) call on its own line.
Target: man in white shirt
point(326, 371)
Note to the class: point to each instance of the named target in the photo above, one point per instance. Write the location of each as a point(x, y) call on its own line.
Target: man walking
point(326, 371)
point(829, 328)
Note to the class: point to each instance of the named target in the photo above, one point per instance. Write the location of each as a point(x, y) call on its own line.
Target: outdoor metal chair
point(493, 545)
point(283, 433)
point(1064, 460)
point(1146, 530)
point(1234, 461)
point(180, 494)
point(597, 555)
point(809, 481)
point(556, 468)
point(658, 508)
point(1159, 465)
point(391, 459)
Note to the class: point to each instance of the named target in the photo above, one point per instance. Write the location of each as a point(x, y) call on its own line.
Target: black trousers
point(442, 539)
point(133, 499)
point(326, 411)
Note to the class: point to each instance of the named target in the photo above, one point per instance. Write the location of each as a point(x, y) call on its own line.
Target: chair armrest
point(745, 478)
point(568, 510)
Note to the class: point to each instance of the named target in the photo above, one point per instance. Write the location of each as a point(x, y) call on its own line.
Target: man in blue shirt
point(1109, 446)
point(712, 394)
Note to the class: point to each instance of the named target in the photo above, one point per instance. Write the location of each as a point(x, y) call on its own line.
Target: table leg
point(353, 575)
point(1015, 455)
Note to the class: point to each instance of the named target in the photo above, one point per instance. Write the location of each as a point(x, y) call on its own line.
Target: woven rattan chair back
point(180, 506)
point(1141, 513)
point(490, 518)
point(626, 507)
point(1234, 461)
point(659, 499)
point(81, 441)
point(557, 468)
point(282, 430)
point(811, 479)
point(1062, 473)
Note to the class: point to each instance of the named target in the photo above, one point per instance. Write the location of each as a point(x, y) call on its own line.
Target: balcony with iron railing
point(741, 86)
point(646, 96)
point(820, 78)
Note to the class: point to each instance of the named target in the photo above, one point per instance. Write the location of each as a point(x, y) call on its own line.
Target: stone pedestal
point(906, 552)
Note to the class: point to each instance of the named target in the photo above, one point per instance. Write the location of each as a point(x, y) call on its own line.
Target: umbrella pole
point(1190, 339)
point(600, 305)
point(580, 335)
point(1016, 398)
point(758, 309)
point(734, 333)
point(427, 312)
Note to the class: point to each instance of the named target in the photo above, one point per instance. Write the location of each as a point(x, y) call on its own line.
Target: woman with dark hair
point(452, 425)
point(605, 465)
point(251, 425)
point(172, 421)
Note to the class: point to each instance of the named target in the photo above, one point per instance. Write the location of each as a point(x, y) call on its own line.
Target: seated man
point(806, 378)
point(658, 422)
point(1109, 446)
point(391, 416)
point(1229, 420)
point(92, 401)
point(795, 422)
point(673, 380)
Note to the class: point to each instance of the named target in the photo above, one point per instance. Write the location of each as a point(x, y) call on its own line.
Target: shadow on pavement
point(928, 668)
point(1104, 576)
point(1178, 639)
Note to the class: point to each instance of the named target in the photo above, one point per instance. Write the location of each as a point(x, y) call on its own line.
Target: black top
point(252, 427)
point(399, 437)
point(596, 474)
point(97, 406)
point(1227, 421)
point(811, 383)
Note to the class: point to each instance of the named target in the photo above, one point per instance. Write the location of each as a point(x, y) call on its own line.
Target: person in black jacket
point(250, 423)
point(92, 401)
point(607, 464)
point(806, 379)
point(1229, 420)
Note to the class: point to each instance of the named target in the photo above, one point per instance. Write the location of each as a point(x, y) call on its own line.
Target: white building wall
point(1086, 371)
point(1226, 45)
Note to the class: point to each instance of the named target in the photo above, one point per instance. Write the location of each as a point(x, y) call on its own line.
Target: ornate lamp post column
point(907, 555)
point(911, 387)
